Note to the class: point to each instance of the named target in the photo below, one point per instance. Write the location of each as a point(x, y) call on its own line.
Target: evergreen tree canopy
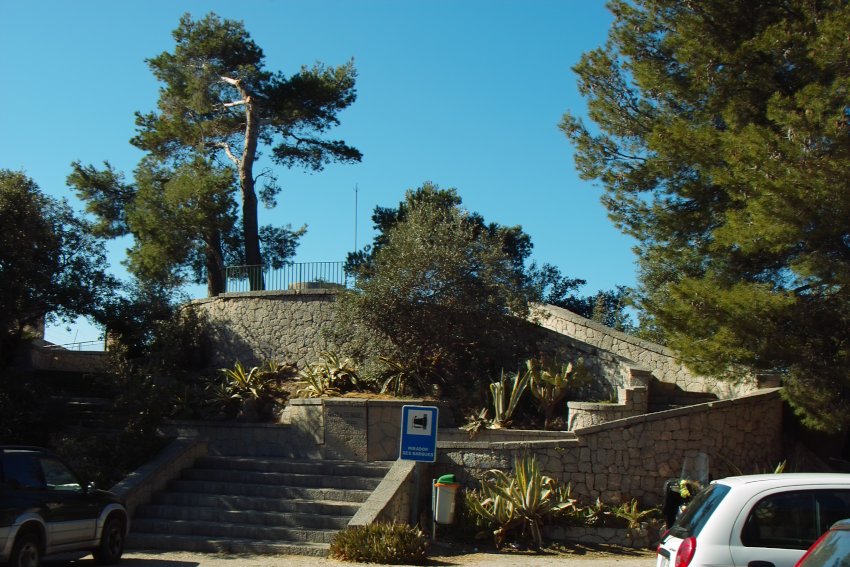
point(50, 264)
point(218, 101)
point(722, 138)
point(445, 292)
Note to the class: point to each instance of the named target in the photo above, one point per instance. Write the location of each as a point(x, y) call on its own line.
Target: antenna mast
point(356, 191)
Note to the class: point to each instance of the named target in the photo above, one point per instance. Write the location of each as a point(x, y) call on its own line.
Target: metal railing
point(304, 275)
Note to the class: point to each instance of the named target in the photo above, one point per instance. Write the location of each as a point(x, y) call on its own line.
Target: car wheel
point(111, 542)
point(26, 552)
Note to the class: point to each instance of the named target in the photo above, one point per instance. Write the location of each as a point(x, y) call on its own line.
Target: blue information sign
point(418, 433)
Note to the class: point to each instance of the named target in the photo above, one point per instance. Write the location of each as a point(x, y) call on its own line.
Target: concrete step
point(201, 544)
point(215, 530)
point(224, 516)
point(295, 466)
point(325, 507)
point(255, 505)
point(281, 479)
point(268, 490)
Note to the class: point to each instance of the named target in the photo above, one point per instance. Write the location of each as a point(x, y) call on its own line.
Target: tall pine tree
point(722, 140)
point(217, 100)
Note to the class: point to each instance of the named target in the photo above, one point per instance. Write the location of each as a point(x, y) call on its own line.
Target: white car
point(765, 520)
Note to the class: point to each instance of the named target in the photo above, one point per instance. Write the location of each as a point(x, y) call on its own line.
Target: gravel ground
point(441, 556)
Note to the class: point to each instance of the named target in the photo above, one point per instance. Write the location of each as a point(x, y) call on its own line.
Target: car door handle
point(760, 564)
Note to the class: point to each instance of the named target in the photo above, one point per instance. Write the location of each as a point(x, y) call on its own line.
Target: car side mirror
point(90, 487)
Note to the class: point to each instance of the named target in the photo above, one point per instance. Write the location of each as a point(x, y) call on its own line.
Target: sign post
point(418, 443)
point(419, 433)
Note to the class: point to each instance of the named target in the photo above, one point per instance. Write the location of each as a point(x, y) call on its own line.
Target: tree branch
point(226, 147)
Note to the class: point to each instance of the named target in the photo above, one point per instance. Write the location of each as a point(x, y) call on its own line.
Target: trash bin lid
point(446, 479)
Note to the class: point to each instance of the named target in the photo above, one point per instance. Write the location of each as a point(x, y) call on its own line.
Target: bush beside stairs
point(255, 505)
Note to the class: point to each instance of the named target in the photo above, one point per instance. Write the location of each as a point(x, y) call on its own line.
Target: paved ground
point(442, 556)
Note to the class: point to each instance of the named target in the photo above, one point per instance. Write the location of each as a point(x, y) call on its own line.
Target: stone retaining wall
point(633, 457)
point(616, 461)
point(632, 402)
point(664, 363)
point(60, 359)
point(252, 327)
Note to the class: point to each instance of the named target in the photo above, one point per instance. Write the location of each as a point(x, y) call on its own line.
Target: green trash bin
point(445, 498)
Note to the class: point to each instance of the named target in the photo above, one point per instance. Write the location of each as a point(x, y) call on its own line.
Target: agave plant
point(523, 502)
point(400, 378)
point(340, 373)
point(551, 385)
point(504, 403)
point(250, 385)
point(315, 384)
point(633, 515)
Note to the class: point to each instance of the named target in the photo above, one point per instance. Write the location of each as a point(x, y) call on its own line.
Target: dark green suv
point(45, 509)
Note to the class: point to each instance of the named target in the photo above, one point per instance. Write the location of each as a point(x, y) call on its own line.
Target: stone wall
point(632, 402)
point(633, 457)
point(256, 326)
point(615, 461)
point(664, 363)
point(60, 359)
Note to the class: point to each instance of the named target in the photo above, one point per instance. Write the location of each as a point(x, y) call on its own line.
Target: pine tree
point(722, 138)
point(218, 101)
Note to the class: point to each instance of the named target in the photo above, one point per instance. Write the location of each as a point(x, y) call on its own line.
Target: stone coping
point(267, 294)
point(139, 486)
point(542, 310)
point(392, 489)
point(686, 410)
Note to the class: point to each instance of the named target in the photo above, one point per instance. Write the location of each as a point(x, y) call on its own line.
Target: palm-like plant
point(524, 501)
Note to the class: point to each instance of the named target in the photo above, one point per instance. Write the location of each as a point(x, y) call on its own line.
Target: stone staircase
point(255, 505)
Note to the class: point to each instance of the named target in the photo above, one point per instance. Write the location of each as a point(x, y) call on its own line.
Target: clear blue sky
point(464, 93)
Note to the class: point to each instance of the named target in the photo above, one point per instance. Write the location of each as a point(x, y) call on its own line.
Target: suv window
point(58, 476)
point(794, 519)
point(692, 520)
point(22, 471)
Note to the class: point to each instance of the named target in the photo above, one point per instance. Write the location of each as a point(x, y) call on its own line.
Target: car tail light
point(686, 552)
point(809, 551)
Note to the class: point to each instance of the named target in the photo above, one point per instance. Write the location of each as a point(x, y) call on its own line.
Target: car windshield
point(698, 511)
point(833, 551)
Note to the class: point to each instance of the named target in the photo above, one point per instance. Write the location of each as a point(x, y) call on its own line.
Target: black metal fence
point(305, 275)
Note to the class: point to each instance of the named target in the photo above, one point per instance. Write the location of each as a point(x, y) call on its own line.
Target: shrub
point(332, 375)
point(381, 543)
point(519, 504)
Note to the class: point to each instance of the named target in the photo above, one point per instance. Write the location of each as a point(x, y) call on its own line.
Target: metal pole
point(356, 191)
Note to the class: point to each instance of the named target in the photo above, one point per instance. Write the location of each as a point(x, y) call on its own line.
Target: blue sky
point(464, 93)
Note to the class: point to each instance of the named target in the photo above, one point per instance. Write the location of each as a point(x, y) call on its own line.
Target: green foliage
point(440, 289)
point(393, 544)
point(552, 385)
point(519, 504)
point(504, 402)
point(217, 101)
point(332, 375)
point(259, 384)
point(50, 264)
point(400, 378)
point(505, 396)
point(722, 139)
point(633, 515)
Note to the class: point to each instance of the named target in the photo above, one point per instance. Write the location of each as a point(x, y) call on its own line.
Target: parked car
point(832, 549)
point(768, 519)
point(46, 509)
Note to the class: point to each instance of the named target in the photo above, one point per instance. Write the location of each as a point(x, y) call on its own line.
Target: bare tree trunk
point(214, 264)
point(245, 165)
